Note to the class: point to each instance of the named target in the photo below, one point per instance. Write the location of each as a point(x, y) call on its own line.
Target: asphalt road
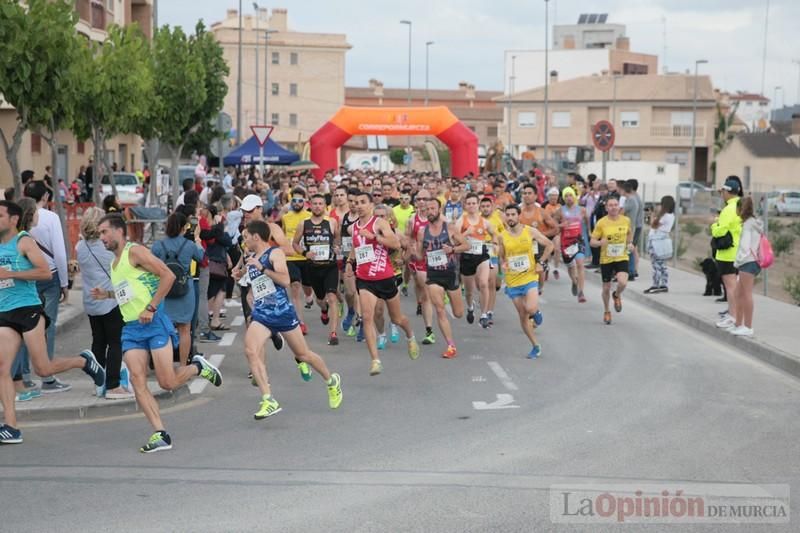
point(642, 401)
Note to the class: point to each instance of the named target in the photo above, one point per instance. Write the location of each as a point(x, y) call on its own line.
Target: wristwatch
point(150, 308)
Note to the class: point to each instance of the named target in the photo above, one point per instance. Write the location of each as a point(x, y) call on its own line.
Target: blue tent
point(248, 154)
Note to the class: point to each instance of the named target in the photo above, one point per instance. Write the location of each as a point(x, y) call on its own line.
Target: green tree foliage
point(692, 228)
point(396, 156)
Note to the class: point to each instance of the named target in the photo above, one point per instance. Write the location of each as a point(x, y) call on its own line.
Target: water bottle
point(124, 380)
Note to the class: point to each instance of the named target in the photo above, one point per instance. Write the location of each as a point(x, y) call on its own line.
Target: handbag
point(217, 269)
point(722, 243)
point(765, 255)
point(661, 248)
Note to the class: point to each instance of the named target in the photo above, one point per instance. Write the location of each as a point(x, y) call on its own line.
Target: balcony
point(676, 131)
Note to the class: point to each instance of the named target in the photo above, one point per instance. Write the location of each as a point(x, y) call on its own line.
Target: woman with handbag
point(659, 244)
point(216, 243)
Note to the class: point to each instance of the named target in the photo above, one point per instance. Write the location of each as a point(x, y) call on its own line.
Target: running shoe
point(574, 289)
point(382, 341)
point(160, 441)
point(726, 323)
point(556, 274)
point(419, 309)
point(617, 302)
point(28, 395)
point(351, 331)
point(662, 289)
point(395, 336)
point(430, 338)
point(650, 290)
point(607, 317)
point(490, 314)
point(348, 320)
point(470, 315)
point(93, 369)
point(446, 299)
point(333, 340)
point(309, 303)
point(376, 367)
point(207, 370)
point(55, 386)
point(404, 290)
point(413, 348)
point(741, 331)
point(360, 337)
point(209, 336)
point(450, 352)
point(538, 318)
point(484, 321)
point(10, 435)
point(535, 352)
point(324, 317)
point(277, 341)
point(303, 328)
point(305, 371)
point(269, 406)
point(335, 391)
point(581, 298)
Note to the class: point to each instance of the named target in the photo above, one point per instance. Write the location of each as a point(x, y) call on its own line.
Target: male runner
point(403, 212)
point(571, 218)
point(351, 322)
point(22, 317)
point(533, 215)
point(274, 313)
point(438, 244)
point(372, 240)
point(496, 219)
point(290, 221)
point(475, 260)
point(141, 281)
point(418, 265)
point(517, 252)
point(453, 207)
point(551, 207)
point(614, 236)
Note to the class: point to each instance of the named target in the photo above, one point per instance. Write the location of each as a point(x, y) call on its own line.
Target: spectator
point(634, 210)
point(725, 233)
point(747, 263)
point(216, 243)
point(658, 242)
point(188, 185)
point(105, 318)
point(110, 204)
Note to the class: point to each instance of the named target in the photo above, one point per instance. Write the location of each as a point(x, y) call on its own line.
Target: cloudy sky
point(471, 35)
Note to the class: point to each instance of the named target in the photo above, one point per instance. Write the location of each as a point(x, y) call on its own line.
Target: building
point(94, 18)
point(751, 109)
point(476, 109)
point(652, 116)
point(304, 74)
point(764, 161)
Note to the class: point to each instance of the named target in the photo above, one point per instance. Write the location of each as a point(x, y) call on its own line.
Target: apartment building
point(94, 18)
point(652, 115)
point(290, 79)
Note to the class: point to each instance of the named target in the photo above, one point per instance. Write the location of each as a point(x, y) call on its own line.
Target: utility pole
point(239, 83)
point(546, 75)
point(511, 83)
point(427, 50)
point(764, 56)
point(408, 139)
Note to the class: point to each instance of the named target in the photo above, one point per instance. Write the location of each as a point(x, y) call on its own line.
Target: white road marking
point(232, 303)
point(478, 379)
point(237, 321)
point(228, 338)
point(503, 401)
point(476, 357)
point(198, 385)
point(502, 375)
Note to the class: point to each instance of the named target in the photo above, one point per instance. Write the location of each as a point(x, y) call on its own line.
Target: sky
point(471, 35)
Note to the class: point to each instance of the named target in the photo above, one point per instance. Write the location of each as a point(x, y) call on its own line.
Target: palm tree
point(722, 134)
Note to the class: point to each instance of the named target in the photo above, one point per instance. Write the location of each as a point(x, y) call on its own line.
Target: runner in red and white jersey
point(373, 238)
point(418, 266)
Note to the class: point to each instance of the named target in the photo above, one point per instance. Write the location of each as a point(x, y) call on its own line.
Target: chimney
point(279, 20)
point(569, 42)
point(462, 86)
point(796, 124)
point(553, 76)
point(470, 89)
point(623, 43)
point(376, 86)
point(233, 14)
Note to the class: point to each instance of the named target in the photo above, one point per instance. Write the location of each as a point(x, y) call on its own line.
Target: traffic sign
point(262, 133)
point(219, 148)
point(603, 135)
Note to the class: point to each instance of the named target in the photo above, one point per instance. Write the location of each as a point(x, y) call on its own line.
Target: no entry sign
point(603, 135)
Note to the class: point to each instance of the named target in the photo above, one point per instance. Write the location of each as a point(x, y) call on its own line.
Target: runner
point(453, 207)
point(418, 265)
point(552, 206)
point(571, 218)
point(352, 322)
point(475, 260)
point(291, 220)
point(273, 313)
point(496, 219)
point(438, 245)
point(372, 240)
point(533, 215)
point(518, 246)
point(314, 239)
point(141, 282)
point(22, 317)
point(614, 236)
point(396, 259)
point(403, 212)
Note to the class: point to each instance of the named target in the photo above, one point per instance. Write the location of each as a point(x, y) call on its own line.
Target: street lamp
point(427, 50)
point(546, 74)
point(266, 63)
point(692, 155)
point(614, 110)
point(408, 139)
point(255, 7)
point(775, 96)
point(239, 82)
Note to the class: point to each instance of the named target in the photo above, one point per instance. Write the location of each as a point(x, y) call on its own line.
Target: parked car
point(129, 190)
point(784, 202)
point(689, 189)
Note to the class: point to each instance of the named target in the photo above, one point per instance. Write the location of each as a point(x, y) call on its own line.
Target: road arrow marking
point(503, 401)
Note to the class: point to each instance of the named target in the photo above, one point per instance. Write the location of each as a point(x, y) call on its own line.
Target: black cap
point(732, 185)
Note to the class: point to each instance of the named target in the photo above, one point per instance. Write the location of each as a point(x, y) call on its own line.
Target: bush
point(782, 243)
point(691, 228)
point(396, 156)
point(792, 286)
point(794, 227)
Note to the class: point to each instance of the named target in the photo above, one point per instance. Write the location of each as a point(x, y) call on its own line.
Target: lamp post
point(239, 82)
point(408, 139)
point(775, 97)
point(546, 74)
point(427, 51)
point(255, 7)
point(511, 80)
point(692, 155)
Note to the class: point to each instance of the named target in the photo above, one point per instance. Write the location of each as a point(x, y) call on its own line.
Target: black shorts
point(726, 268)
point(323, 278)
point(295, 270)
point(609, 271)
point(384, 289)
point(23, 319)
point(469, 263)
point(446, 279)
point(215, 286)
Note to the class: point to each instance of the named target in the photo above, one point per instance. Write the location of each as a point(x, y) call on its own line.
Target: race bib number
point(263, 286)
point(365, 254)
point(519, 263)
point(322, 252)
point(6, 283)
point(347, 244)
point(615, 250)
point(475, 247)
point(123, 293)
point(437, 258)
point(571, 250)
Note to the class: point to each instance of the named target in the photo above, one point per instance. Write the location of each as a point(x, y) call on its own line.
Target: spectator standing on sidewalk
point(659, 244)
point(105, 318)
point(747, 263)
point(725, 233)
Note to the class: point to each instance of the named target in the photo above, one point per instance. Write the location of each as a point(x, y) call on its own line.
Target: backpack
point(765, 255)
point(181, 285)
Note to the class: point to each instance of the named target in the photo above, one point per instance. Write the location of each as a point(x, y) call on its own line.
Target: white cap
point(250, 202)
point(552, 191)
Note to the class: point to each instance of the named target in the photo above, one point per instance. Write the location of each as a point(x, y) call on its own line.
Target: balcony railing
point(665, 130)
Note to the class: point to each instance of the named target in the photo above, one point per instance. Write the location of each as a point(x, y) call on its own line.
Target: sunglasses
point(297, 200)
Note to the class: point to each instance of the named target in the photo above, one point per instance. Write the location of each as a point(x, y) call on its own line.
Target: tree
point(722, 134)
point(37, 45)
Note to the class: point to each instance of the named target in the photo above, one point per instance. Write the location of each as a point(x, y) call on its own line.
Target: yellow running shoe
point(269, 406)
point(335, 391)
point(413, 348)
point(305, 371)
point(376, 367)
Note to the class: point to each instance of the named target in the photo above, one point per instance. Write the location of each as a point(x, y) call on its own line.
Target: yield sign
point(603, 135)
point(262, 133)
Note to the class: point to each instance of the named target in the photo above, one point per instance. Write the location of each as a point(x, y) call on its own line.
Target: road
point(642, 401)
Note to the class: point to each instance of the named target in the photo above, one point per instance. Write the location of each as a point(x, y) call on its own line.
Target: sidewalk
point(775, 323)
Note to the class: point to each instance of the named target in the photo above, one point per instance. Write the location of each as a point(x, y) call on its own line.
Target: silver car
point(784, 202)
point(129, 190)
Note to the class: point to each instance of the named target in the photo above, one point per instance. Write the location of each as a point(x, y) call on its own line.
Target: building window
point(276, 89)
point(275, 119)
point(293, 120)
point(682, 158)
point(293, 59)
point(292, 89)
point(681, 118)
point(631, 155)
point(276, 58)
point(629, 119)
point(36, 143)
point(562, 119)
point(526, 119)
point(81, 147)
point(491, 131)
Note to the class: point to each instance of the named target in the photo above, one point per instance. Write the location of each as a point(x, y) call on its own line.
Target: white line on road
point(478, 379)
point(228, 338)
point(502, 375)
point(503, 401)
point(198, 385)
point(237, 321)
point(476, 357)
